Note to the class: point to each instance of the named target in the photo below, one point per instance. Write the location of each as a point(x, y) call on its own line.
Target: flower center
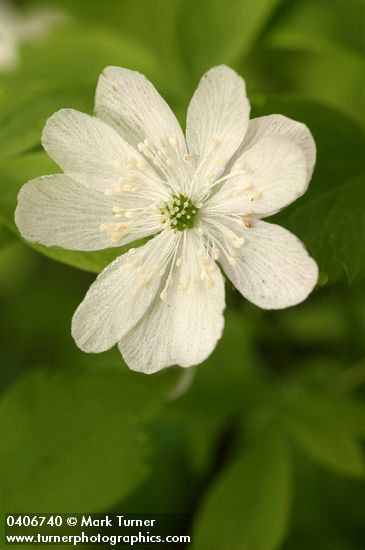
point(179, 212)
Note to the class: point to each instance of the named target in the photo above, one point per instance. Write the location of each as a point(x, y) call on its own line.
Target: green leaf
point(25, 110)
point(227, 384)
point(14, 174)
point(151, 25)
point(61, 71)
point(247, 507)
point(77, 53)
point(332, 226)
point(75, 438)
point(6, 236)
point(329, 217)
point(309, 35)
point(309, 24)
point(327, 428)
point(220, 31)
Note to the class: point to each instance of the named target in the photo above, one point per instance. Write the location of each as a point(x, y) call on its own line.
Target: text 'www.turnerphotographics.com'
point(94, 529)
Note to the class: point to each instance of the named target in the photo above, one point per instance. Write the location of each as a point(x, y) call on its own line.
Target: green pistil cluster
point(180, 212)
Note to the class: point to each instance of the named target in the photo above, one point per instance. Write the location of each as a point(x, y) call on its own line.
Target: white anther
point(210, 281)
point(187, 158)
point(144, 283)
point(238, 242)
point(219, 161)
point(117, 209)
point(247, 223)
point(110, 191)
point(173, 142)
point(131, 163)
point(215, 254)
point(120, 228)
point(247, 187)
point(183, 282)
point(213, 143)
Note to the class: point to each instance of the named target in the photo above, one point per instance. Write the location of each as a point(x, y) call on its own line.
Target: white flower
point(15, 27)
point(129, 173)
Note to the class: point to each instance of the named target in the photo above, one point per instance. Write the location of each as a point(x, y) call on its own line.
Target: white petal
point(87, 149)
point(272, 269)
point(129, 102)
point(120, 295)
point(57, 211)
point(185, 326)
point(273, 125)
point(270, 175)
point(217, 119)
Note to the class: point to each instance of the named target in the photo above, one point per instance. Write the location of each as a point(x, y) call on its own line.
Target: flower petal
point(184, 327)
point(129, 102)
point(264, 179)
point(58, 211)
point(217, 119)
point(271, 269)
point(120, 295)
point(88, 150)
point(273, 125)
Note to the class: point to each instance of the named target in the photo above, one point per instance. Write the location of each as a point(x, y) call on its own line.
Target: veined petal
point(184, 325)
point(270, 267)
point(280, 125)
point(90, 151)
point(263, 180)
point(217, 120)
point(58, 211)
point(128, 101)
point(121, 294)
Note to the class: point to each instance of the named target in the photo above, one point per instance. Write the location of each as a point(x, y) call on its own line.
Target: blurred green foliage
point(265, 448)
